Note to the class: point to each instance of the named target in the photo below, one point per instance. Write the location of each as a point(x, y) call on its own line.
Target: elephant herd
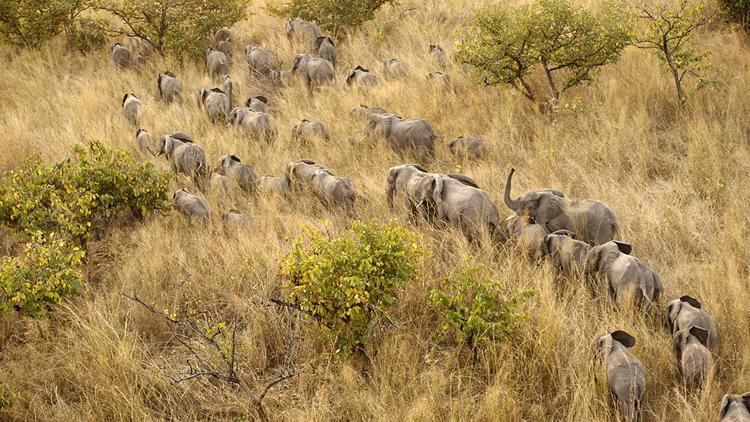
point(577, 236)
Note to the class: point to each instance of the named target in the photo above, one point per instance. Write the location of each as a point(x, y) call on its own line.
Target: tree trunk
point(551, 81)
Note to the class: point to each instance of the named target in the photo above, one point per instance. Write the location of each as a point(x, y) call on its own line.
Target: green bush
point(173, 27)
point(78, 197)
point(42, 277)
point(85, 35)
point(737, 11)
point(333, 16)
point(30, 23)
point(472, 309)
point(343, 283)
point(567, 43)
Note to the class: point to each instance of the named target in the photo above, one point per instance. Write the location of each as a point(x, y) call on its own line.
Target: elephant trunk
point(515, 205)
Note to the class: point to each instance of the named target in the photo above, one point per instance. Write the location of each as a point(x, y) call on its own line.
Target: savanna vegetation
point(115, 307)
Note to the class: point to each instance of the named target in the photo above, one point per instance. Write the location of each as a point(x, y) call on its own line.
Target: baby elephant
point(565, 252)
point(362, 77)
point(438, 55)
point(186, 158)
point(169, 86)
point(472, 148)
point(145, 141)
point(305, 130)
point(274, 185)
point(735, 408)
point(259, 59)
point(626, 375)
point(216, 103)
point(442, 80)
point(258, 126)
point(257, 103)
point(190, 205)
point(395, 68)
point(234, 220)
point(628, 278)
point(529, 236)
point(217, 63)
point(693, 356)
point(120, 56)
point(131, 108)
point(686, 312)
point(326, 49)
point(243, 174)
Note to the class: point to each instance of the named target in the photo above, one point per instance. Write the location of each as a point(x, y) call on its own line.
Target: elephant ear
point(306, 161)
point(319, 41)
point(437, 191)
point(725, 402)
point(593, 261)
point(262, 99)
point(295, 64)
point(623, 247)
point(673, 311)
point(567, 233)
point(746, 400)
point(234, 158)
point(623, 338)
point(420, 168)
point(700, 333)
point(548, 206)
point(692, 301)
point(350, 77)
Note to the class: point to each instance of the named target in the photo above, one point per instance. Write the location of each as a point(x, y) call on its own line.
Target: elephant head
point(260, 98)
point(290, 173)
point(735, 405)
point(398, 177)
point(541, 204)
point(353, 74)
point(600, 257)
point(605, 343)
point(166, 145)
point(319, 41)
point(300, 63)
point(674, 308)
point(380, 124)
point(225, 162)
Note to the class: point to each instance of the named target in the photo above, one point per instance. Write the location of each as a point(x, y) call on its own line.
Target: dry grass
point(678, 182)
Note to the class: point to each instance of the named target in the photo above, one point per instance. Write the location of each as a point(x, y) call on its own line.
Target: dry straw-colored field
point(677, 180)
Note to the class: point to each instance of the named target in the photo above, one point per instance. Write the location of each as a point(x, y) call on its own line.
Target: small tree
point(333, 16)
point(669, 30)
point(176, 27)
point(567, 43)
point(472, 308)
point(344, 283)
point(31, 23)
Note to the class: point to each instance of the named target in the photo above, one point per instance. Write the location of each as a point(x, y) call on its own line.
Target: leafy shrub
point(344, 282)
point(85, 35)
point(472, 310)
point(30, 23)
point(176, 27)
point(75, 197)
point(737, 11)
point(506, 45)
point(333, 16)
point(40, 278)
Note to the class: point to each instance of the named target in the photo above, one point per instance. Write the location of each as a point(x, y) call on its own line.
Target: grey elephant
point(473, 148)
point(256, 125)
point(169, 86)
point(333, 190)
point(257, 103)
point(438, 55)
point(274, 185)
point(529, 236)
point(399, 177)
point(217, 64)
point(139, 46)
point(305, 130)
point(362, 77)
point(243, 174)
point(216, 103)
point(186, 158)
point(628, 278)
point(120, 56)
point(414, 135)
point(592, 221)
point(222, 34)
point(326, 49)
point(299, 174)
point(259, 59)
point(395, 68)
point(235, 220)
point(626, 375)
point(452, 201)
point(303, 31)
point(443, 80)
point(131, 108)
point(191, 206)
point(365, 112)
point(695, 360)
point(685, 312)
point(315, 71)
point(567, 254)
point(735, 408)
point(145, 141)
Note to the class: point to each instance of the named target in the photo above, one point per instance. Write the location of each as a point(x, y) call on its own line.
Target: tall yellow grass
point(677, 180)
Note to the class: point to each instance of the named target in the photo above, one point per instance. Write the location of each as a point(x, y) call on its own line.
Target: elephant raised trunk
point(515, 205)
